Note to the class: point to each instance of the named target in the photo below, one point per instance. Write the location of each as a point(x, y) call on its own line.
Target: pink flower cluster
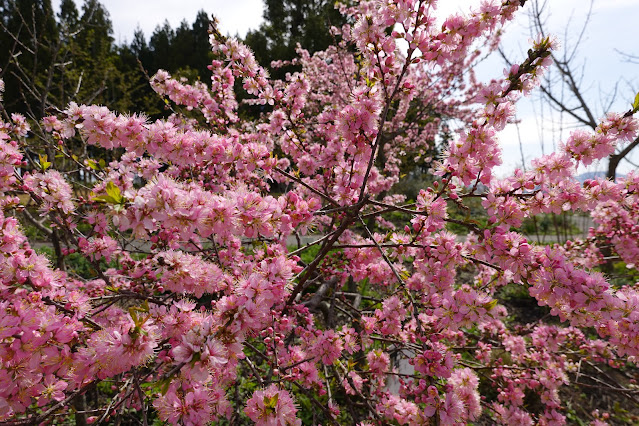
point(218, 105)
point(52, 189)
point(10, 158)
point(394, 319)
point(272, 407)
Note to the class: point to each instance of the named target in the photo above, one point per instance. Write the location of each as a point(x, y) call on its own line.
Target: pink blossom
point(272, 406)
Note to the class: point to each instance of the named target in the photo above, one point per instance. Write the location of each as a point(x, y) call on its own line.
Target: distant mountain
point(594, 175)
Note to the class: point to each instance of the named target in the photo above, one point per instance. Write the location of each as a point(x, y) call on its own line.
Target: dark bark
point(613, 160)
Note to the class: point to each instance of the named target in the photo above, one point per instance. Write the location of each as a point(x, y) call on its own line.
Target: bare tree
point(628, 57)
point(563, 88)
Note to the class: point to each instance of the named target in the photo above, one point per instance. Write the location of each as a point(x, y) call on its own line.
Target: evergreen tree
point(30, 44)
point(182, 46)
point(289, 22)
point(160, 46)
point(68, 78)
point(139, 47)
point(96, 55)
point(201, 55)
point(68, 17)
point(135, 62)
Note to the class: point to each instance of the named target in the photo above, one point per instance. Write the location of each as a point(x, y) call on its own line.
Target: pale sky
point(235, 16)
point(613, 26)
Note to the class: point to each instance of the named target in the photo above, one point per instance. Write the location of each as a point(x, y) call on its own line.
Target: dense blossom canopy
point(201, 308)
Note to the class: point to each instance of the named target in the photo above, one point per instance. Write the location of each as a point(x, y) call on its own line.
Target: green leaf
point(164, 385)
point(144, 307)
point(43, 162)
point(114, 196)
point(490, 305)
point(134, 315)
point(92, 163)
point(270, 402)
point(114, 192)
point(635, 105)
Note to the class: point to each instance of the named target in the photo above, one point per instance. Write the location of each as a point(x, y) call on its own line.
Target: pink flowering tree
point(267, 271)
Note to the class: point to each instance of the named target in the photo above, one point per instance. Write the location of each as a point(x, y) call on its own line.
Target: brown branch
point(307, 186)
point(613, 160)
point(42, 417)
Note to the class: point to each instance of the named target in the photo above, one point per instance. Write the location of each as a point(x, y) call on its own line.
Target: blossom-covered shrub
point(204, 303)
